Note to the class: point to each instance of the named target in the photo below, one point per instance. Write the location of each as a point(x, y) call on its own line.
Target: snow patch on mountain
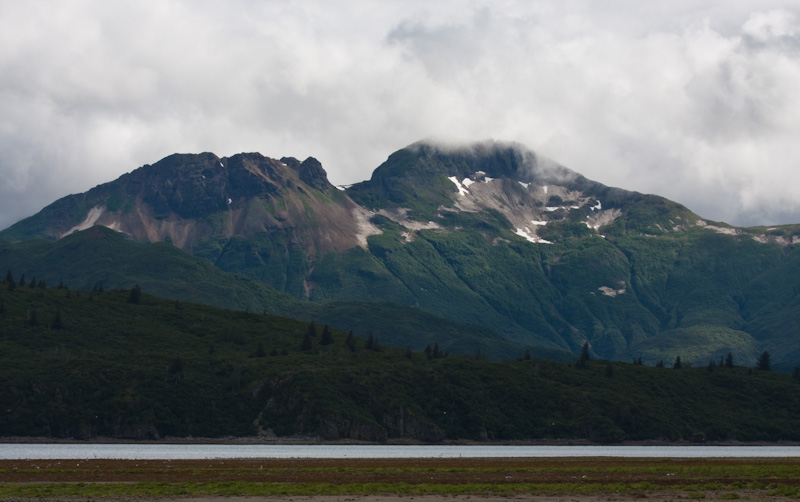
point(530, 236)
point(607, 291)
point(528, 209)
point(462, 191)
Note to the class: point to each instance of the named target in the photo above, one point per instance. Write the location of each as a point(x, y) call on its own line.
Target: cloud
point(691, 100)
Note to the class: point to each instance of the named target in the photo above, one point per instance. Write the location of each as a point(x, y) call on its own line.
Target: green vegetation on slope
point(100, 257)
point(128, 365)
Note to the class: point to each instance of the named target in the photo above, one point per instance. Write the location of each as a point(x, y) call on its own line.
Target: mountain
point(488, 235)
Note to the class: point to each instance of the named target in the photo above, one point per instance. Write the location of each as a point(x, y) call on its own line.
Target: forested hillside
point(125, 364)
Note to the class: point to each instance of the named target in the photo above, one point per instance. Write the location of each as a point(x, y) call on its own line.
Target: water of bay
point(205, 451)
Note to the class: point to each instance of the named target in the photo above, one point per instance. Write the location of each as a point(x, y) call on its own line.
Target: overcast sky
point(695, 100)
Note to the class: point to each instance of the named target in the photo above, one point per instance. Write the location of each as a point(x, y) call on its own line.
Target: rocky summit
point(488, 235)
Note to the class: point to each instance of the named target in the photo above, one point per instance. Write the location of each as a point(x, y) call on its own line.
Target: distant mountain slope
point(488, 234)
point(101, 258)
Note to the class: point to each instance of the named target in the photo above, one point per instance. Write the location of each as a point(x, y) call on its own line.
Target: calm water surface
point(172, 451)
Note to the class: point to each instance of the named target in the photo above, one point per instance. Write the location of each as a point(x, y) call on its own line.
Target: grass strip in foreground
point(691, 478)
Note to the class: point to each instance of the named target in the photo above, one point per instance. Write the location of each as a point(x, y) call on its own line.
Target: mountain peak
point(429, 174)
point(498, 159)
point(183, 197)
point(312, 174)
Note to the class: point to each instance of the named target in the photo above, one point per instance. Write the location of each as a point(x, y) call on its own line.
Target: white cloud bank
point(696, 101)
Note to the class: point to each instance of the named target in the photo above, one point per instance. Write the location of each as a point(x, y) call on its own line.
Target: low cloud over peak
point(695, 101)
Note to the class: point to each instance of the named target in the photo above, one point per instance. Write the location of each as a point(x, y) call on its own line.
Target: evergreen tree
point(763, 361)
point(135, 295)
point(351, 341)
point(584, 356)
point(21, 280)
point(312, 330)
point(710, 366)
point(429, 351)
point(41, 284)
point(57, 324)
point(2, 306)
point(306, 345)
point(729, 360)
point(527, 356)
point(677, 364)
point(660, 363)
point(32, 321)
point(796, 373)
point(327, 336)
point(260, 352)
point(176, 366)
point(10, 283)
point(32, 284)
point(372, 343)
point(9, 276)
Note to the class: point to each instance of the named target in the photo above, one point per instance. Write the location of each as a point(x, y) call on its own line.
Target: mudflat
point(393, 480)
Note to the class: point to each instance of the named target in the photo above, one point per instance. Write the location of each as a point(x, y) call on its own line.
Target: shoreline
point(295, 441)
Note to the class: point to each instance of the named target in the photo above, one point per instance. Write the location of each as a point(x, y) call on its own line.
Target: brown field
point(387, 480)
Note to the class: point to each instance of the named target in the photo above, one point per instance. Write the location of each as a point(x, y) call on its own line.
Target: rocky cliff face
point(191, 199)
